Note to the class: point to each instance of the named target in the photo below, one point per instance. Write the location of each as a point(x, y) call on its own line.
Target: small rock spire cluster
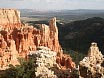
point(94, 51)
point(92, 66)
point(17, 40)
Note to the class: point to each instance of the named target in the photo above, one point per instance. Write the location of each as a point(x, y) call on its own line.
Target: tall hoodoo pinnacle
point(53, 27)
point(52, 22)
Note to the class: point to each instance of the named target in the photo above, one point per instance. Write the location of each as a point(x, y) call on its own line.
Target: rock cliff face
point(17, 40)
point(92, 66)
point(9, 18)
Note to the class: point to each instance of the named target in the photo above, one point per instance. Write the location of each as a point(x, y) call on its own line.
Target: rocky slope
point(46, 66)
point(17, 39)
point(81, 33)
point(92, 66)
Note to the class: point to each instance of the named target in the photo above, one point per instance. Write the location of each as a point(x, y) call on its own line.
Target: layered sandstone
point(17, 40)
point(92, 66)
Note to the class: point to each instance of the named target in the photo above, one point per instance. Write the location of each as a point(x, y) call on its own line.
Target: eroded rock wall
point(17, 40)
point(9, 18)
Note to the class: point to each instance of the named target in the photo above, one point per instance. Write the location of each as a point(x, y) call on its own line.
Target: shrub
point(26, 69)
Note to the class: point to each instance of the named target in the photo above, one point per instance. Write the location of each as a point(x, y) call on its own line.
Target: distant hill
point(78, 35)
point(65, 15)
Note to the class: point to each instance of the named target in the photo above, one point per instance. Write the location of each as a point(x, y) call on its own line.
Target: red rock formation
point(16, 40)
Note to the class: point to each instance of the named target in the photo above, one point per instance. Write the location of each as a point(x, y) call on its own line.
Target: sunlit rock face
point(92, 66)
point(45, 60)
point(17, 40)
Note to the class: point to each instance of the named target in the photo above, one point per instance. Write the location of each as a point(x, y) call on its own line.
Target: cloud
point(16, 0)
point(48, 1)
point(53, 4)
point(52, 0)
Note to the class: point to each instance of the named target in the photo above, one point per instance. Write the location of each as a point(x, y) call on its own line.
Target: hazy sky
point(52, 4)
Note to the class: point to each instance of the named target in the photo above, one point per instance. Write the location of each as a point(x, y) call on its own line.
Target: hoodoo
point(17, 40)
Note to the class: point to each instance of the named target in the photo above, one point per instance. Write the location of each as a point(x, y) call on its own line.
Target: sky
point(52, 4)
